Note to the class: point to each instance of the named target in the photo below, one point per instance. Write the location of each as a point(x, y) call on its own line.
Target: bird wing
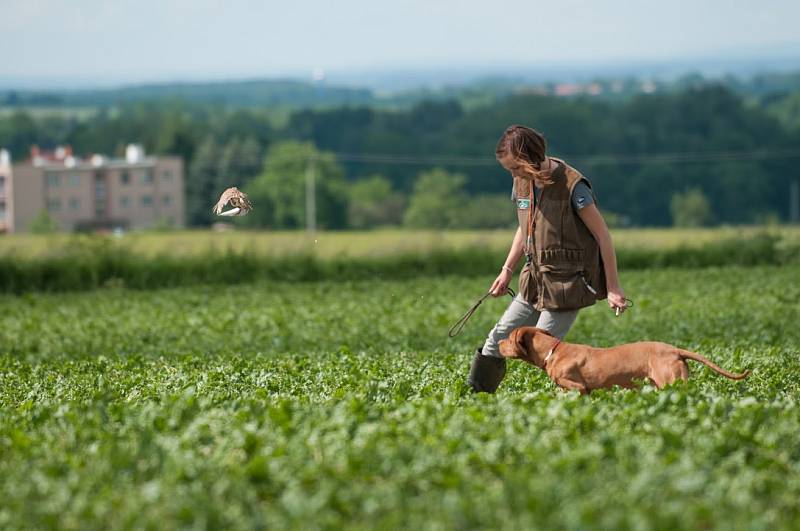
point(241, 201)
point(236, 198)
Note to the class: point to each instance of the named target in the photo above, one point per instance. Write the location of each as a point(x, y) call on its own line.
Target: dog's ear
point(543, 331)
point(524, 336)
point(513, 346)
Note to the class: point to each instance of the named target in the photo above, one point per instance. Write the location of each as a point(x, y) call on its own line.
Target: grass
point(367, 243)
point(342, 405)
point(90, 263)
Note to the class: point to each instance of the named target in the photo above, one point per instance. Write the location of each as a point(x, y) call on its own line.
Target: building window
point(147, 177)
point(75, 179)
point(166, 176)
point(147, 200)
point(2, 210)
point(74, 203)
point(53, 205)
point(124, 201)
point(125, 178)
point(166, 200)
point(100, 194)
point(53, 180)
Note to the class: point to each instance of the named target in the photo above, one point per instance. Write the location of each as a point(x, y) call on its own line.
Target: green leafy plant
point(342, 404)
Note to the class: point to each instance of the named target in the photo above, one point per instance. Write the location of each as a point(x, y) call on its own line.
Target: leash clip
point(628, 304)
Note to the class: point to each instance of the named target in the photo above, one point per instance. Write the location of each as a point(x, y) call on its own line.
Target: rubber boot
point(486, 373)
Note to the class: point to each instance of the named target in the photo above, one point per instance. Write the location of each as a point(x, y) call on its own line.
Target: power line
point(594, 160)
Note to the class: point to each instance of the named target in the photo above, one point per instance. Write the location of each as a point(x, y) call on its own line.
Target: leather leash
point(456, 328)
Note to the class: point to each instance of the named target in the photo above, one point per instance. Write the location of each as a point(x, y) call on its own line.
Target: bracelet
point(508, 269)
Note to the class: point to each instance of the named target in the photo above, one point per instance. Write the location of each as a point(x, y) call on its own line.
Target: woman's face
point(508, 162)
point(511, 164)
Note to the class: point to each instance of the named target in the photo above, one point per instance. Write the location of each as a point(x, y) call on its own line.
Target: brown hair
point(527, 147)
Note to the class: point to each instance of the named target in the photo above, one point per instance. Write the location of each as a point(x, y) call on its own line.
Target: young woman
point(569, 258)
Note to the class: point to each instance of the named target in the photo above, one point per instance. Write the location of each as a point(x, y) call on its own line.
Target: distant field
point(365, 244)
point(43, 112)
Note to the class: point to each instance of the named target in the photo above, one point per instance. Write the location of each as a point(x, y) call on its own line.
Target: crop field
point(329, 405)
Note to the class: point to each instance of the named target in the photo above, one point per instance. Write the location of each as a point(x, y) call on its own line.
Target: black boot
point(486, 373)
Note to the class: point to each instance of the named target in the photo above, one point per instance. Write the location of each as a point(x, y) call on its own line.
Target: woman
point(569, 258)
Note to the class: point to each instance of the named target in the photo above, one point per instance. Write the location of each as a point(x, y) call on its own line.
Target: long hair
point(527, 147)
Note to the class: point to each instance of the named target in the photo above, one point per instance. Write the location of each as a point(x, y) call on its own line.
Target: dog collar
point(549, 354)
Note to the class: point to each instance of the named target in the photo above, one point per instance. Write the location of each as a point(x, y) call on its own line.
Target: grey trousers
point(520, 313)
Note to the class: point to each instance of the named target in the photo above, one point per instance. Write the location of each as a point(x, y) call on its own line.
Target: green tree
point(436, 201)
point(201, 182)
point(373, 203)
point(279, 193)
point(690, 208)
point(787, 110)
point(251, 159)
point(239, 162)
point(18, 132)
point(228, 173)
point(43, 223)
point(486, 211)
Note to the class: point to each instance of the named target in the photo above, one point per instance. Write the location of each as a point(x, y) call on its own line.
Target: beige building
point(95, 193)
point(6, 214)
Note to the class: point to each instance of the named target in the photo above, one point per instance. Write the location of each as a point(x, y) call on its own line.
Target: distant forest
point(734, 145)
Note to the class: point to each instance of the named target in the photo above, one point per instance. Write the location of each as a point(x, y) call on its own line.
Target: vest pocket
point(565, 287)
point(527, 285)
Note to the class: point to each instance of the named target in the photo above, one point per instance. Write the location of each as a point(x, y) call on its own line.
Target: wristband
point(508, 269)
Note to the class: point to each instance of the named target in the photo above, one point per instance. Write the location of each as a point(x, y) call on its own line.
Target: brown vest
point(566, 271)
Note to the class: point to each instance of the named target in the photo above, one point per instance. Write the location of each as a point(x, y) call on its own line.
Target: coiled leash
point(456, 328)
point(628, 304)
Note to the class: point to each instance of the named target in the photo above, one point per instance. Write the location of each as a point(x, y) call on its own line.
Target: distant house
point(92, 193)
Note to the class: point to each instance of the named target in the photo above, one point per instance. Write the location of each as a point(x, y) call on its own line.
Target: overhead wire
point(595, 160)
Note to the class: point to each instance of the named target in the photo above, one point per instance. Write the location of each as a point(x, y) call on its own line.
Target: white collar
point(554, 347)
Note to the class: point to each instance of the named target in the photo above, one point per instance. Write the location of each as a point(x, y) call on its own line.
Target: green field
point(365, 243)
point(328, 405)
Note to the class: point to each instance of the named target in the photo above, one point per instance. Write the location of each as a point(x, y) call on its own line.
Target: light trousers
point(521, 313)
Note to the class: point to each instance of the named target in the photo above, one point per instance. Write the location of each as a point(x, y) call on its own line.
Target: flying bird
point(237, 199)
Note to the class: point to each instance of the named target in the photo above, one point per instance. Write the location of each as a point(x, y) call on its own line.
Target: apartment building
point(5, 188)
point(92, 193)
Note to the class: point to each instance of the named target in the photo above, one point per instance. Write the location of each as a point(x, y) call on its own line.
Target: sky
point(101, 42)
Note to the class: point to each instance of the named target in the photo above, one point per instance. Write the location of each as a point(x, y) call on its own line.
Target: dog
point(585, 368)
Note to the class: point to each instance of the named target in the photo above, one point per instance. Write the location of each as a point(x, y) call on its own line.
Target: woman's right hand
point(500, 284)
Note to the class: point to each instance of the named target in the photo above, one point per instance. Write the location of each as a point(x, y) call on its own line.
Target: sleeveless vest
point(564, 270)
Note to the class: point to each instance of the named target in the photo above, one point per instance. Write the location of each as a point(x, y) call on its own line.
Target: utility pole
point(311, 199)
point(794, 202)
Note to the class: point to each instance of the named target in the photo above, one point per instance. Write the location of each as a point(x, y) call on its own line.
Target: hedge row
point(101, 264)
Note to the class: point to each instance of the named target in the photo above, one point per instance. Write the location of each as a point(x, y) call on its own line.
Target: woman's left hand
point(616, 299)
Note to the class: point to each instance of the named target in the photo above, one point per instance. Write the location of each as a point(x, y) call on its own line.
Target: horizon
point(420, 77)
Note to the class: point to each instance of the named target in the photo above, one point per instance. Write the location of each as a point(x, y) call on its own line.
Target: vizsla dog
point(585, 368)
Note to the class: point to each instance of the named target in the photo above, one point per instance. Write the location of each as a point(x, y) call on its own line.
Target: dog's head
point(527, 343)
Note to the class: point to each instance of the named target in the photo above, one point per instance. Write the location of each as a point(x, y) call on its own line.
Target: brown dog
point(585, 368)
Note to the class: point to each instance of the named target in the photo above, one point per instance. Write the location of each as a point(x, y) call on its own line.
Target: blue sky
point(94, 41)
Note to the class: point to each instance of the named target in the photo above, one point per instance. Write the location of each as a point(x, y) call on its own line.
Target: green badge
point(523, 204)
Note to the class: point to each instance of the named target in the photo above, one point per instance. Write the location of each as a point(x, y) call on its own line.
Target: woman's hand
point(616, 299)
point(500, 284)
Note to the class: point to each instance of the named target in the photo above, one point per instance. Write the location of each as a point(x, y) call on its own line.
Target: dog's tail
point(727, 374)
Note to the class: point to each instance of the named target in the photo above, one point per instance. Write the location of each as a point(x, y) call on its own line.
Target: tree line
point(705, 150)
